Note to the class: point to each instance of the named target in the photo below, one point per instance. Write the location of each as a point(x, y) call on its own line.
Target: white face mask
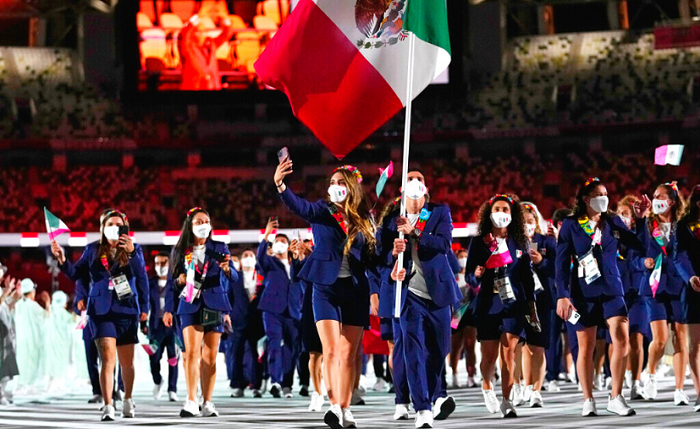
point(659, 206)
point(627, 221)
point(237, 265)
point(462, 262)
point(248, 262)
point(500, 219)
point(337, 193)
point(415, 190)
point(201, 231)
point(162, 271)
point(600, 204)
point(112, 232)
point(530, 229)
point(280, 248)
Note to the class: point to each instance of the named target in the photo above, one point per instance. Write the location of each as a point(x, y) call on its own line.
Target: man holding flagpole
point(425, 302)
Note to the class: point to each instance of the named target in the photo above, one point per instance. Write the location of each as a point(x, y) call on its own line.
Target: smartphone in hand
point(282, 154)
point(123, 230)
point(218, 257)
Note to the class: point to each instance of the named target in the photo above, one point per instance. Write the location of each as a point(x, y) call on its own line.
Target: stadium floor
point(562, 410)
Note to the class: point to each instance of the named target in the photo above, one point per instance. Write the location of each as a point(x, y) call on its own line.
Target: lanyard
point(590, 231)
point(105, 264)
point(338, 217)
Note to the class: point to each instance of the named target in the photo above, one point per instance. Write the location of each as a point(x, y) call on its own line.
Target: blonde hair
point(357, 213)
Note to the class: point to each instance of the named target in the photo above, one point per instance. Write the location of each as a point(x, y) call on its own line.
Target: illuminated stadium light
point(29, 239)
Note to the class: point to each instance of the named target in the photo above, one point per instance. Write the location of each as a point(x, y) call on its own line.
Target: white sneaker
point(599, 382)
point(516, 395)
point(572, 374)
point(401, 412)
point(455, 381)
point(697, 405)
point(628, 379)
point(380, 385)
point(172, 396)
point(444, 407)
point(527, 393)
point(96, 399)
point(536, 400)
point(490, 400)
point(608, 383)
point(316, 404)
point(129, 408)
point(287, 392)
point(276, 390)
point(348, 419)
point(424, 419)
point(237, 393)
point(471, 383)
point(189, 409)
point(507, 409)
point(357, 397)
point(334, 417)
point(680, 398)
point(107, 413)
point(158, 391)
point(589, 408)
point(209, 410)
point(553, 386)
point(650, 388)
point(619, 406)
point(637, 391)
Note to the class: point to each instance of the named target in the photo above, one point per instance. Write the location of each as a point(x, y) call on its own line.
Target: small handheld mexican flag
point(384, 175)
point(54, 225)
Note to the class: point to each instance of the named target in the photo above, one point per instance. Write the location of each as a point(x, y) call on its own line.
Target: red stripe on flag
point(332, 88)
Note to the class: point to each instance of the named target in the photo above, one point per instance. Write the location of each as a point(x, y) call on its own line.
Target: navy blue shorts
point(342, 301)
point(638, 314)
point(539, 339)
point(596, 311)
point(195, 319)
point(123, 327)
point(386, 328)
point(490, 327)
point(665, 307)
point(690, 302)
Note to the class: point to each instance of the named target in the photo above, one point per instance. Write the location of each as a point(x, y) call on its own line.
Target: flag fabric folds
point(54, 225)
point(668, 154)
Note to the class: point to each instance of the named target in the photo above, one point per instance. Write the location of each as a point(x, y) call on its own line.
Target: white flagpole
point(404, 165)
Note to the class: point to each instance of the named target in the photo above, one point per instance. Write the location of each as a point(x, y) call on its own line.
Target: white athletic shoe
point(316, 404)
point(628, 379)
point(443, 408)
point(516, 395)
point(357, 397)
point(424, 419)
point(96, 399)
point(697, 405)
point(172, 396)
point(334, 417)
point(455, 382)
point(471, 383)
point(527, 393)
point(107, 413)
point(608, 383)
point(507, 409)
point(589, 408)
point(490, 400)
point(129, 408)
point(553, 386)
point(380, 385)
point(189, 409)
point(287, 392)
point(276, 390)
point(401, 412)
point(637, 391)
point(680, 398)
point(536, 400)
point(650, 388)
point(618, 405)
point(158, 390)
point(599, 382)
point(348, 419)
point(209, 410)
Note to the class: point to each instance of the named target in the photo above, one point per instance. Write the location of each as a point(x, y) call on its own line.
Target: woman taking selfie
point(115, 272)
point(201, 274)
point(344, 248)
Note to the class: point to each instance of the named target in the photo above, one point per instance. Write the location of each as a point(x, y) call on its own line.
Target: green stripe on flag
point(52, 220)
point(427, 19)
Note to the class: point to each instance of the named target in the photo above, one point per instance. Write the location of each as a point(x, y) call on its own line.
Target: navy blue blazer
point(92, 273)
point(688, 245)
point(323, 266)
point(434, 248)
point(630, 262)
point(547, 246)
point(676, 269)
point(214, 287)
point(519, 272)
point(280, 295)
point(238, 298)
point(153, 320)
point(574, 243)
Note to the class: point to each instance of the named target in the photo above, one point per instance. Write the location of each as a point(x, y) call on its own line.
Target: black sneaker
point(304, 391)
point(257, 394)
point(276, 391)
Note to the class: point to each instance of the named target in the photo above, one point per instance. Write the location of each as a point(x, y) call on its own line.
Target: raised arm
point(310, 212)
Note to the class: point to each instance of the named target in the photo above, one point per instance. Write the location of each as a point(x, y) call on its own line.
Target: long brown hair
point(105, 248)
point(516, 229)
point(357, 212)
point(678, 205)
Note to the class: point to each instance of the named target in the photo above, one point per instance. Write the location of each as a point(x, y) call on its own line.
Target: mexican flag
point(54, 225)
point(344, 63)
